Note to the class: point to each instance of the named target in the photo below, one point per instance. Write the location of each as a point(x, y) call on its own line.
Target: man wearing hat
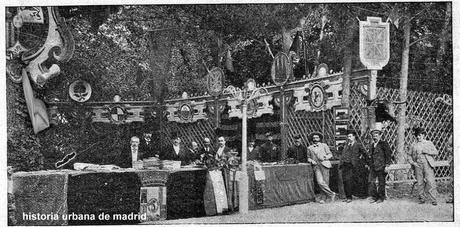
point(318, 155)
point(269, 151)
point(421, 157)
point(349, 161)
point(253, 150)
point(298, 151)
point(380, 158)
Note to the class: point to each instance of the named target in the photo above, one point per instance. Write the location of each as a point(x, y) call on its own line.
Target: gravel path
point(360, 210)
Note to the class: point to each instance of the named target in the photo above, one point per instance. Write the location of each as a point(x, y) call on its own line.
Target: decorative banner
point(215, 82)
point(117, 113)
point(80, 91)
point(287, 98)
point(186, 111)
point(256, 108)
point(281, 69)
point(319, 96)
point(152, 203)
point(374, 43)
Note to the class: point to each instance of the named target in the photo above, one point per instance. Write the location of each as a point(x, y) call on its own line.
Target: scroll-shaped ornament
point(58, 46)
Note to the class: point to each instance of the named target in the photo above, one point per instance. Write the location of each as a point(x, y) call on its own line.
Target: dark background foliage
point(113, 54)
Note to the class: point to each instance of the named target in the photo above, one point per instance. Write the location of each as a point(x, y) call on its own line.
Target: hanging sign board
point(281, 69)
point(215, 82)
point(374, 43)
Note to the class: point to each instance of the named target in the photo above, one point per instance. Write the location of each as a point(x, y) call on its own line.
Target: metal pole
point(243, 181)
point(283, 124)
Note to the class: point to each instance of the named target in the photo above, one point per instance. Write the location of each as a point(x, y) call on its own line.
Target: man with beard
point(319, 155)
point(380, 159)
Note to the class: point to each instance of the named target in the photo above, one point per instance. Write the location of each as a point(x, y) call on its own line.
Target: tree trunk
point(347, 60)
point(400, 141)
point(444, 33)
point(160, 42)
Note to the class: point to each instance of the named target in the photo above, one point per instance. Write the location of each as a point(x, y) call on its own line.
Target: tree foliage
point(113, 53)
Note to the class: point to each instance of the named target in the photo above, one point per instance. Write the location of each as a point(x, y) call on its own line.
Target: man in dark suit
point(298, 151)
point(380, 159)
point(269, 151)
point(351, 154)
point(253, 150)
point(176, 152)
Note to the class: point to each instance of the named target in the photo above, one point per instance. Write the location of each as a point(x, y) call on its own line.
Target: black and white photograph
point(230, 112)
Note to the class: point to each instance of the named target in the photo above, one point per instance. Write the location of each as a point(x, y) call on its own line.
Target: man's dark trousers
point(380, 192)
point(348, 181)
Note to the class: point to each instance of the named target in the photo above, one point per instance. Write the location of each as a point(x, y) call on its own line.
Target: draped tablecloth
point(62, 192)
point(283, 185)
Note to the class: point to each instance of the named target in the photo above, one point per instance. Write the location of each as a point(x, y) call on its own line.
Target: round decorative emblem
point(185, 112)
point(281, 69)
point(215, 81)
point(117, 114)
point(317, 96)
point(80, 91)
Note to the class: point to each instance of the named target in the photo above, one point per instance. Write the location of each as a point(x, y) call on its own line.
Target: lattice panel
point(422, 111)
point(304, 123)
point(189, 132)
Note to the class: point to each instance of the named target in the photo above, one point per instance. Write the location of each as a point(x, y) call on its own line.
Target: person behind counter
point(222, 151)
point(298, 151)
point(269, 151)
point(176, 152)
point(253, 150)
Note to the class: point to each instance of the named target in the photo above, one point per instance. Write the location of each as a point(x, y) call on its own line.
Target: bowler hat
point(353, 132)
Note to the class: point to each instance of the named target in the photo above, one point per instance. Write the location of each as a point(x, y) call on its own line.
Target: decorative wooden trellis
point(423, 109)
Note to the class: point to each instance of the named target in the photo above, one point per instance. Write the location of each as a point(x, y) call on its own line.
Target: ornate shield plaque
point(317, 99)
point(215, 81)
point(281, 69)
point(374, 43)
point(185, 112)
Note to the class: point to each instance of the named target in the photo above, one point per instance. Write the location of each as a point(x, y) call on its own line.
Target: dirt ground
point(402, 206)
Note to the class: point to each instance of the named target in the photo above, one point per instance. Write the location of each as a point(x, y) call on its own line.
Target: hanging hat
point(316, 133)
point(418, 131)
point(377, 128)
